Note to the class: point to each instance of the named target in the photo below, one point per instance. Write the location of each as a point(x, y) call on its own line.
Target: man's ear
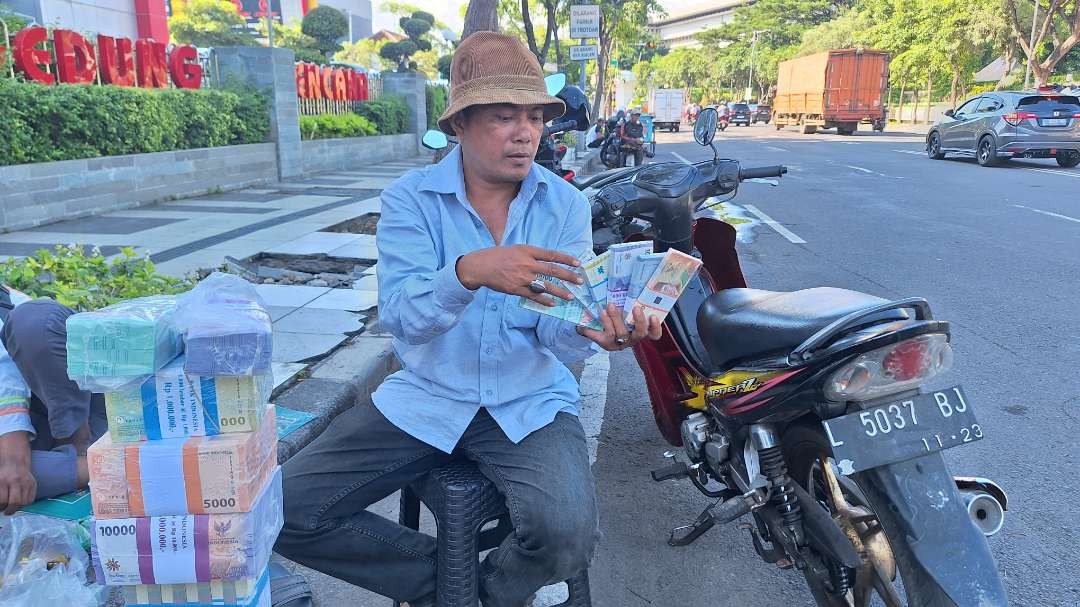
point(459, 121)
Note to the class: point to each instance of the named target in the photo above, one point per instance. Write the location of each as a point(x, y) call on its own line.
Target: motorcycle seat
point(743, 323)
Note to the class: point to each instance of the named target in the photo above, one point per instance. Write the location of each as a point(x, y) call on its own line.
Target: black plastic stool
point(463, 500)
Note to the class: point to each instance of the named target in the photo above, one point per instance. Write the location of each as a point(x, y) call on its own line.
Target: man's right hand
point(510, 269)
point(17, 484)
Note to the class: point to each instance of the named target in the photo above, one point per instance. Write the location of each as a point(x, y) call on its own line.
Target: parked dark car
point(741, 114)
point(762, 113)
point(1010, 124)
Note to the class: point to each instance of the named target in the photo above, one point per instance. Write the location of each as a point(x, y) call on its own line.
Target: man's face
point(499, 141)
point(635, 118)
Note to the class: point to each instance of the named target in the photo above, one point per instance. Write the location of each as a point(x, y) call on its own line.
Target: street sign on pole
point(584, 52)
point(585, 21)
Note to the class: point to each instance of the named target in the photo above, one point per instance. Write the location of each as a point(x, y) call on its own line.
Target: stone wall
point(355, 152)
point(36, 194)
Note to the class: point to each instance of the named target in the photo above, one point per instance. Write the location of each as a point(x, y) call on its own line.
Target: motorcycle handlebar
point(762, 172)
point(559, 127)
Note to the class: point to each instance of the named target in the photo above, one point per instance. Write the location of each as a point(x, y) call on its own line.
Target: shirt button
point(494, 307)
point(488, 392)
point(488, 351)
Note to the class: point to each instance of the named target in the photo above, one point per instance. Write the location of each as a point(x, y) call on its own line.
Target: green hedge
point(389, 114)
point(329, 126)
point(66, 122)
point(436, 104)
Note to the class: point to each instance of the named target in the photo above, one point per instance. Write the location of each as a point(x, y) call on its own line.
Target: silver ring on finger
point(537, 285)
point(622, 341)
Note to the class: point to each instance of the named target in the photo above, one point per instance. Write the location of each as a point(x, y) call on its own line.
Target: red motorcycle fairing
point(661, 360)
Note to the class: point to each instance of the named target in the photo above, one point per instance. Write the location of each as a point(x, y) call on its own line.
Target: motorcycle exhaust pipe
point(986, 503)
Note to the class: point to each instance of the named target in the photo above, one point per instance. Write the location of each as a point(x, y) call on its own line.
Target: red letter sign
point(313, 82)
point(326, 79)
point(117, 61)
point(151, 62)
point(340, 92)
point(30, 60)
point(301, 85)
point(185, 68)
point(75, 60)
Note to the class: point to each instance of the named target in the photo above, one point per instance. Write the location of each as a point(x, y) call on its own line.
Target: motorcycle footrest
point(676, 470)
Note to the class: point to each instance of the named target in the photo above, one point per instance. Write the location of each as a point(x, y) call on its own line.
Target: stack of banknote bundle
point(121, 344)
point(627, 275)
point(185, 487)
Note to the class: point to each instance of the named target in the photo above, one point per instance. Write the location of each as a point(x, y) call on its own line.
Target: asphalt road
point(994, 250)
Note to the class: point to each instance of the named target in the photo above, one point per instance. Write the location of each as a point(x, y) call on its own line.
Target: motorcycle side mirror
point(435, 140)
point(555, 83)
point(705, 127)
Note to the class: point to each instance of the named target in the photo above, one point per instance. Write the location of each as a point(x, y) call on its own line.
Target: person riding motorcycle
point(632, 134)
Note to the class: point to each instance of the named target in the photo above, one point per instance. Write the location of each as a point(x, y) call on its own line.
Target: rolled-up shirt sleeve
point(418, 299)
point(559, 336)
point(14, 398)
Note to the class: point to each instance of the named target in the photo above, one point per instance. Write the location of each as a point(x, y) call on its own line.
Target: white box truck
point(667, 108)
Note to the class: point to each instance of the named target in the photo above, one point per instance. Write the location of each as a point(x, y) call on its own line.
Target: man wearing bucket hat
point(482, 378)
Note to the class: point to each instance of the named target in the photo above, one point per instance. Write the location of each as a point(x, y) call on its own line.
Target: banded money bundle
point(173, 404)
point(225, 327)
point(121, 344)
point(245, 592)
point(185, 549)
point(196, 475)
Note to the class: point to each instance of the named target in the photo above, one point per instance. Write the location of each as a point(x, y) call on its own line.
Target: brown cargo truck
point(838, 89)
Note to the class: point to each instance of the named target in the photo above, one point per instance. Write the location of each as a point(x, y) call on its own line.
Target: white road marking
point(847, 142)
point(915, 152)
point(1051, 214)
point(1065, 173)
point(851, 166)
point(685, 161)
point(772, 223)
point(594, 381)
point(775, 149)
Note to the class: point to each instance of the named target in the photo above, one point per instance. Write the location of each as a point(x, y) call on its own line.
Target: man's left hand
point(616, 335)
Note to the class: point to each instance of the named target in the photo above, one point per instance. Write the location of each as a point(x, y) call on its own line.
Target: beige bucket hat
point(489, 68)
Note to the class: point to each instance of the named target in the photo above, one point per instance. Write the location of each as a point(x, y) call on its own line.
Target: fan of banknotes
point(627, 275)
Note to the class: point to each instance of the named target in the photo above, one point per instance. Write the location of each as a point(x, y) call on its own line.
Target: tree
point(481, 16)
point(416, 27)
point(366, 53)
point(622, 24)
point(206, 23)
point(326, 25)
point(292, 37)
point(1058, 24)
point(443, 65)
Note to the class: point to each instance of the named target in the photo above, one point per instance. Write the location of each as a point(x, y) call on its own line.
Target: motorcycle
point(805, 410)
point(549, 152)
point(724, 121)
point(609, 141)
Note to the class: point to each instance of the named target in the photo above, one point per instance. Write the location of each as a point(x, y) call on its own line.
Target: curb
point(343, 380)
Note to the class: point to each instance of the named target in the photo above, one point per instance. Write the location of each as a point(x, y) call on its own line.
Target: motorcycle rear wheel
point(806, 450)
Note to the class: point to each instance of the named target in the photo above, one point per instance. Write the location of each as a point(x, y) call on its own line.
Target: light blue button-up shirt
point(462, 350)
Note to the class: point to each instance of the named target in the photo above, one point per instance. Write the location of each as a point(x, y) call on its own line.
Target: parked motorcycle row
point(803, 413)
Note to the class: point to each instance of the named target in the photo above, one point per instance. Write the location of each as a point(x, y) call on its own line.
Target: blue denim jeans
point(362, 458)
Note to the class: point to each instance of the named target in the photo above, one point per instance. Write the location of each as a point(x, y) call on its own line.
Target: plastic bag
point(43, 563)
point(225, 326)
point(121, 344)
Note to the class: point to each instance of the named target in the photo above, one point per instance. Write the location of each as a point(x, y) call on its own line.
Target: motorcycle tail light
point(1015, 118)
point(891, 369)
point(569, 175)
point(562, 148)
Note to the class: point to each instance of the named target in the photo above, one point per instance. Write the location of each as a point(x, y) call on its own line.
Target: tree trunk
point(481, 17)
point(929, 91)
point(900, 109)
point(602, 63)
point(953, 86)
point(915, 104)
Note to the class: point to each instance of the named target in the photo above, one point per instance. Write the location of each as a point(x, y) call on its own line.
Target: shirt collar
point(447, 177)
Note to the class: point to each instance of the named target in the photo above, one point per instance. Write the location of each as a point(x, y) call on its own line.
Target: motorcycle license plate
point(902, 430)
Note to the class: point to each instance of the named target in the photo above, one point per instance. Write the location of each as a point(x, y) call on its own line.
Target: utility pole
point(1031, 44)
point(753, 53)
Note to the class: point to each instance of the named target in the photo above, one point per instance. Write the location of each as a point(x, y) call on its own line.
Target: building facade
point(149, 18)
point(680, 29)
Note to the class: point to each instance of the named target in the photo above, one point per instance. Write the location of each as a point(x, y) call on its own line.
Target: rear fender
point(944, 541)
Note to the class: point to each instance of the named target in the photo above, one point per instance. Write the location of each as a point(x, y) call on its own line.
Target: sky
point(449, 12)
